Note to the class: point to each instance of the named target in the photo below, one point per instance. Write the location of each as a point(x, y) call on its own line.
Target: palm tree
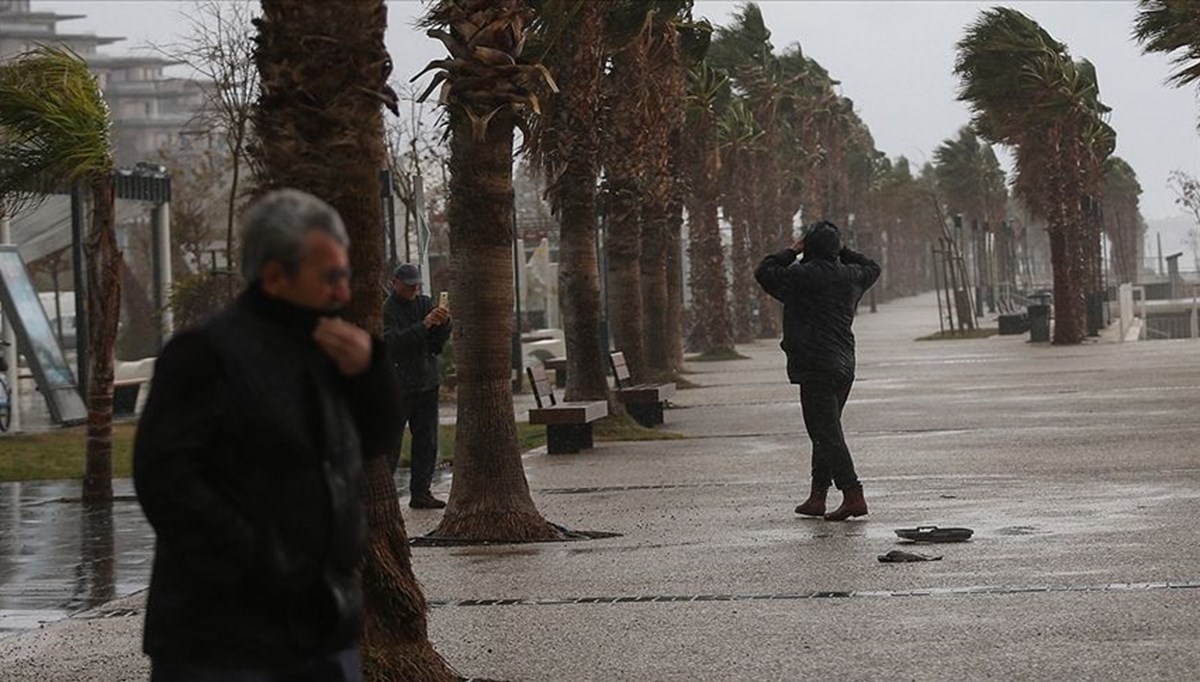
point(55, 131)
point(1123, 221)
point(676, 44)
point(970, 178)
point(625, 158)
point(571, 41)
point(1025, 91)
point(1171, 26)
point(740, 138)
point(323, 71)
point(707, 281)
point(486, 88)
point(744, 52)
point(971, 183)
point(664, 115)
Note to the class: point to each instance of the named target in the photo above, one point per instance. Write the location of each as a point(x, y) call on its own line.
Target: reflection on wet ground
point(58, 557)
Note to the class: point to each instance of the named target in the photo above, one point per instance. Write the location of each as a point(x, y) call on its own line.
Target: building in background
point(150, 110)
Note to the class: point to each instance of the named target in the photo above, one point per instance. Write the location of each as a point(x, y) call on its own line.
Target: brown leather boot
point(853, 504)
point(815, 504)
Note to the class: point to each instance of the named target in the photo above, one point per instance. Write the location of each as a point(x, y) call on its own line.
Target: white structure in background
point(10, 348)
point(1132, 318)
point(542, 284)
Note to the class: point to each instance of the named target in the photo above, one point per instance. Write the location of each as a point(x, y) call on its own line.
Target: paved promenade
point(1078, 468)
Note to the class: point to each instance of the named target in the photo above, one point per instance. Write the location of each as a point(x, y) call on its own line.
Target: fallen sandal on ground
point(897, 556)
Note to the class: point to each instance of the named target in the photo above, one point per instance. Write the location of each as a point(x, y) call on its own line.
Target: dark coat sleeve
point(374, 400)
point(772, 272)
point(438, 336)
point(781, 275)
point(867, 270)
point(179, 430)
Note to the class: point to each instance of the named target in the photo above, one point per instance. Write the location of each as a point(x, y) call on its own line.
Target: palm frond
point(1171, 27)
point(55, 127)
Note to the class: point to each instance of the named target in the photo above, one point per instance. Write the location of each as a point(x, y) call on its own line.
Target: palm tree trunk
point(623, 250)
point(320, 129)
point(764, 231)
point(395, 632)
point(489, 499)
point(708, 282)
point(104, 312)
point(655, 333)
point(740, 255)
point(1070, 322)
point(579, 282)
point(576, 111)
point(625, 167)
point(674, 317)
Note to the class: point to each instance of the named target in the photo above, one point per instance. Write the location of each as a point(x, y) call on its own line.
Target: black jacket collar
point(295, 319)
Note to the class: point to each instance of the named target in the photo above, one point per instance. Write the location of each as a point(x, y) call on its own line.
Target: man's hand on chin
point(347, 345)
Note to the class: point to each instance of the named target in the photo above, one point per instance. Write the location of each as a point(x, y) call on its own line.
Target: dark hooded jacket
point(819, 295)
point(246, 463)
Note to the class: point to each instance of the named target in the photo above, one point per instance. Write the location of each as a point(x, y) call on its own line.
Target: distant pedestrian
point(416, 331)
point(819, 294)
point(247, 463)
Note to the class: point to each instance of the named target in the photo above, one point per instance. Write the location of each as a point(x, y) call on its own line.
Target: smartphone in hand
point(444, 300)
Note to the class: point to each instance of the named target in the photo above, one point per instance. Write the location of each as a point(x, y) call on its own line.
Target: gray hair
point(273, 229)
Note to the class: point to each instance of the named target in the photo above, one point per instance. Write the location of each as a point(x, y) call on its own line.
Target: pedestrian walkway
point(1077, 467)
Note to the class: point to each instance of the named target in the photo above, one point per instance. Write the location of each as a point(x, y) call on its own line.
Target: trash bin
point(1039, 321)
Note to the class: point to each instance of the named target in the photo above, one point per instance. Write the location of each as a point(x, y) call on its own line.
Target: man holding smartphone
point(415, 331)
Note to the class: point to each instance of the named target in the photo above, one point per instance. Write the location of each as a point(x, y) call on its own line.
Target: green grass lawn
point(965, 334)
point(59, 454)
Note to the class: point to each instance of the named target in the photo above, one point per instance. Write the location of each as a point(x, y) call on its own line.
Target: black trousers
point(822, 398)
point(419, 412)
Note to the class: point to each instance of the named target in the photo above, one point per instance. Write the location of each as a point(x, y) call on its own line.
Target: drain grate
point(838, 594)
point(619, 488)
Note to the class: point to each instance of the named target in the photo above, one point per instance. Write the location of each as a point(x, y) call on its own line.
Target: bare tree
point(220, 49)
point(1187, 196)
point(415, 149)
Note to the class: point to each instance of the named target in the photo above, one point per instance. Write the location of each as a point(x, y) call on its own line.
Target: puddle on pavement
point(58, 558)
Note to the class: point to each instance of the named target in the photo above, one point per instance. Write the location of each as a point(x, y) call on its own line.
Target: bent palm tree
point(55, 131)
point(323, 70)
point(486, 87)
point(1171, 26)
point(1122, 220)
point(1026, 91)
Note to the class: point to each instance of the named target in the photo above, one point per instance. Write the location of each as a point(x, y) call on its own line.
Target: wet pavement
point(1078, 469)
point(59, 558)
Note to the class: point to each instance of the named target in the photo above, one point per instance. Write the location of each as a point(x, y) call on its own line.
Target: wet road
point(58, 558)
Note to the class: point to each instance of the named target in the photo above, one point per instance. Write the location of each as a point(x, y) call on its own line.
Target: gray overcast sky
point(893, 58)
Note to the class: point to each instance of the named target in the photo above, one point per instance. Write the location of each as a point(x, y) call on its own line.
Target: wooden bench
point(643, 402)
point(568, 425)
point(559, 365)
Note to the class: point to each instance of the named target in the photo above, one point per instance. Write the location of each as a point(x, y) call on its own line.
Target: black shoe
point(426, 501)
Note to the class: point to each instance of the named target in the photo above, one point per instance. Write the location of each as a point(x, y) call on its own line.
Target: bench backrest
point(620, 369)
point(542, 389)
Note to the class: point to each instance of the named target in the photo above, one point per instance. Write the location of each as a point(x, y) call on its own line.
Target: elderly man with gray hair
point(247, 460)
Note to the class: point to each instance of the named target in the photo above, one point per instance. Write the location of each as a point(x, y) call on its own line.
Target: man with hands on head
point(247, 463)
point(819, 294)
point(416, 331)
